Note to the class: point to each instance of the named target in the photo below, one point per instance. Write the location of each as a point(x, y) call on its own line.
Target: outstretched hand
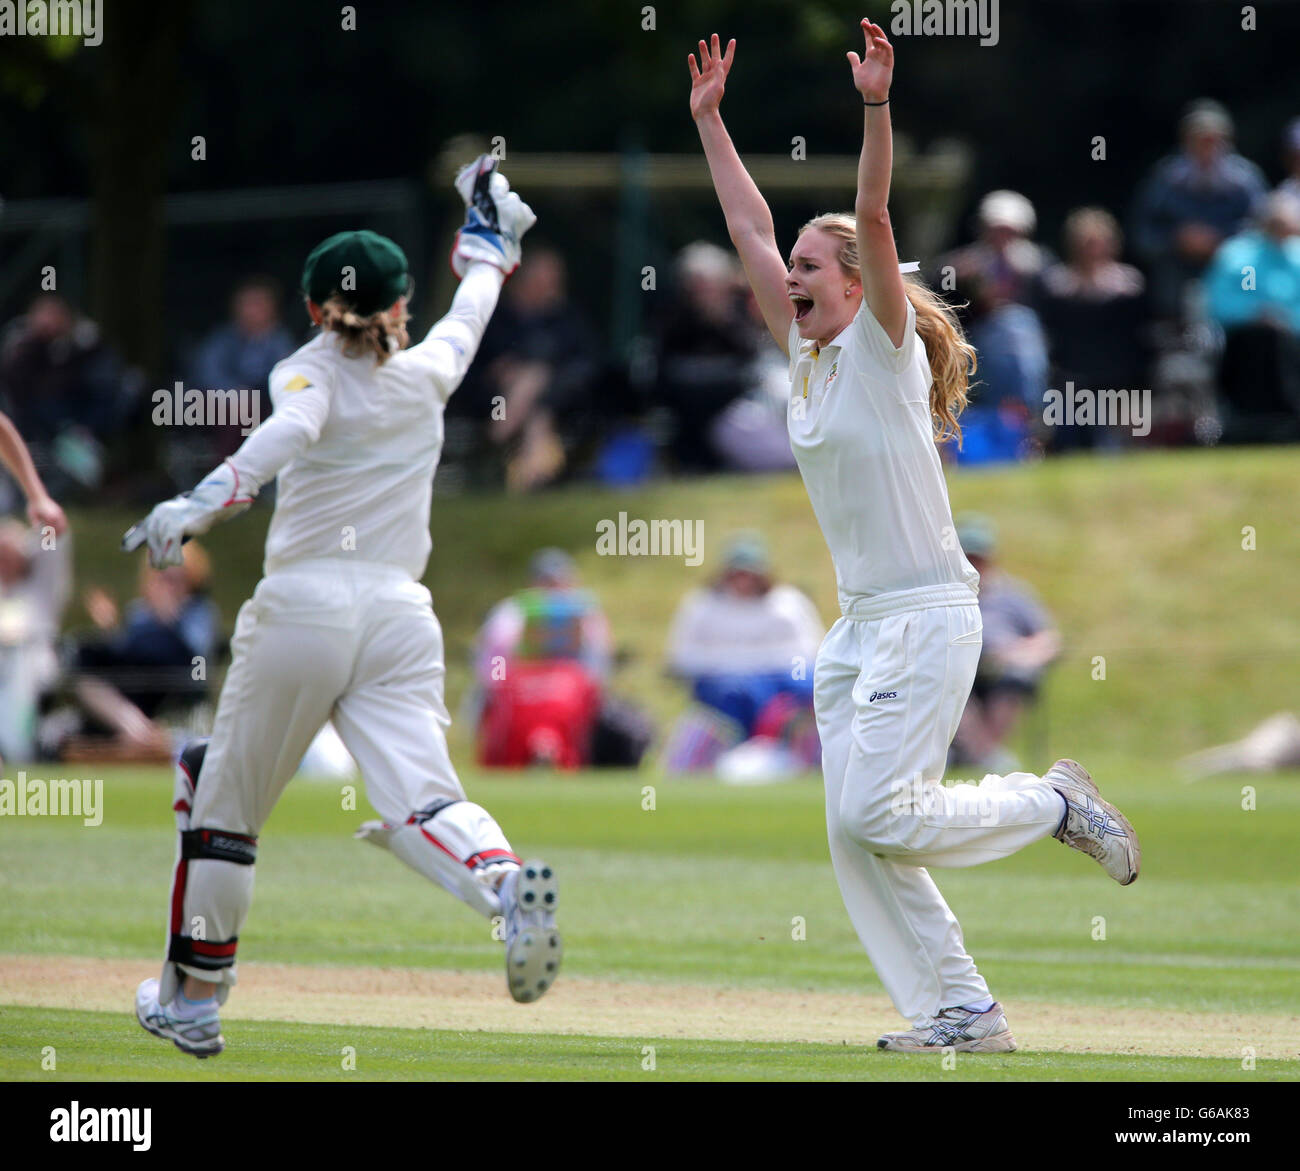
point(873, 72)
point(709, 77)
point(43, 511)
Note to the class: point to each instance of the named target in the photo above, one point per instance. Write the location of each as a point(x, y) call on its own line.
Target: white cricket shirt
point(356, 444)
point(864, 442)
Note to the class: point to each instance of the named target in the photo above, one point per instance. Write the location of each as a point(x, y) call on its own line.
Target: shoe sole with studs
point(533, 957)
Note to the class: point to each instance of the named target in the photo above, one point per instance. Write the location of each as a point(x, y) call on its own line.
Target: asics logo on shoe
point(942, 1034)
point(1099, 820)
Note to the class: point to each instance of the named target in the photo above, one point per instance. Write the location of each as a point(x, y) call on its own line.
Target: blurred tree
point(133, 110)
point(286, 94)
point(122, 96)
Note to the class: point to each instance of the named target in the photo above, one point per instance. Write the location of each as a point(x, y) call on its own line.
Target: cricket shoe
point(200, 1037)
point(1093, 825)
point(528, 896)
point(960, 1029)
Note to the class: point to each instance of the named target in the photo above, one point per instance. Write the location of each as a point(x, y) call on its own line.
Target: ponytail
point(380, 334)
point(952, 358)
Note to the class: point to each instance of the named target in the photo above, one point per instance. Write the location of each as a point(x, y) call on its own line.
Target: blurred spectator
point(542, 664)
point(705, 349)
point(1291, 158)
point(1190, 203)
point(147, 657)
point(1020, 642)
point(1253, 292)
point(1271, 746)
point(999, 276)
point(1004, 265)
point(35, 580)
point(66, 392)
point(580, 630)
point(1094, 311)
point(746, 646)
point(239, 354)
point(750, 434)
point(534, 377)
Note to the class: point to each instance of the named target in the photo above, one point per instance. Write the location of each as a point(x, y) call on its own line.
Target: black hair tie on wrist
point(867, 103)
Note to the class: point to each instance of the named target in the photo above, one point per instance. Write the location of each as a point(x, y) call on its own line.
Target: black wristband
point(867, 103)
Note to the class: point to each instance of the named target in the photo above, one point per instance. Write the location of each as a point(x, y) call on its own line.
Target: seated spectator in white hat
point(999, 277)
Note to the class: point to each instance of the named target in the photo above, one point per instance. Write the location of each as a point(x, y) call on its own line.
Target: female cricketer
point(340, 627)
point(879, 371)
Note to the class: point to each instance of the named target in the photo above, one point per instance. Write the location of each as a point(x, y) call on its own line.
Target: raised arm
point(882, 284)
point(749, 221)
point(450, 346)
point(487, 249)
point(41, 509)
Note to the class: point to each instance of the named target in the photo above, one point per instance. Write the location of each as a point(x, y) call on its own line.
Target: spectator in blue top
point(239, 355)
point(1253, 292)
point(1191, 202)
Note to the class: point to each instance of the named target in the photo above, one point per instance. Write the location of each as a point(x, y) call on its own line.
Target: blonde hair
point(952, 358)
point(380, 334)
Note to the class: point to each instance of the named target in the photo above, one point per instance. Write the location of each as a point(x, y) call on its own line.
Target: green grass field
point(705, 938)
point(700, 892)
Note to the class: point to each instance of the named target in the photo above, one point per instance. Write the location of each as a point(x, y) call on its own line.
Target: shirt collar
point(809, 346)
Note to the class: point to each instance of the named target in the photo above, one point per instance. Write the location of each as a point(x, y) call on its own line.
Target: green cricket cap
point(365, 269)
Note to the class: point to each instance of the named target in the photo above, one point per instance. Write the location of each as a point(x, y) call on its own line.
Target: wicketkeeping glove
point(495, 219)
point(218, 497)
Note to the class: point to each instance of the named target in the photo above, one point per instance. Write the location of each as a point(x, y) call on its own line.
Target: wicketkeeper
point(340, 627)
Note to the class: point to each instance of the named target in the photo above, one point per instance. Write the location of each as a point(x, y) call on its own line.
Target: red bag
point(541, 713)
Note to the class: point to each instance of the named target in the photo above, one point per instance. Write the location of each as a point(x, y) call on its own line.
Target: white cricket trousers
point(891, 682)
point(358, 643)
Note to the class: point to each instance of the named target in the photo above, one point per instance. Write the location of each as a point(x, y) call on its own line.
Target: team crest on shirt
point(835, 370)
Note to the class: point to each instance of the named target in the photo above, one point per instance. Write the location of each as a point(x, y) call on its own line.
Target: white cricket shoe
point(1093, 825)
point(961, 1029)
point(200, 1037)
point(534, 949)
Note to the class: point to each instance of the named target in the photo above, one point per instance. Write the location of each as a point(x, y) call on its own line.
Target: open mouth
point(802, 306)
